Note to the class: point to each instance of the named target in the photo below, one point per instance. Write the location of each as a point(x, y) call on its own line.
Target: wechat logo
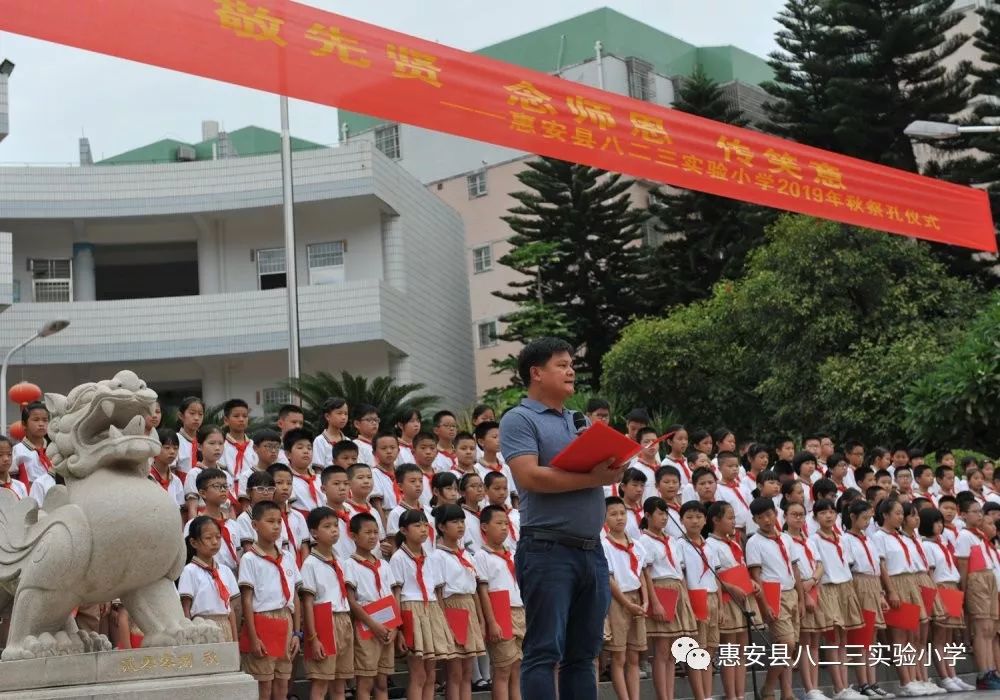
point(687, 650)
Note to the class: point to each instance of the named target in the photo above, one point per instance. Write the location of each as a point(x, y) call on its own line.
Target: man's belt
point(543, 535)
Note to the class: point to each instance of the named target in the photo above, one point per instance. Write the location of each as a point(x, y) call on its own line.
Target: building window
point(487, 332)
point(482, 258)
point(51, 279)
point(387, 140)
point(272, 398)
point(477, 184)
point(271, 268)
point(641, 80)
point(326, 262)
point(15, 292)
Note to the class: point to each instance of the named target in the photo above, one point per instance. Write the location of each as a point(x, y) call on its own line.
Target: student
point(212, 442)
point(359, 479)
point(647, 461)
point(336, 490)
point(295, 530)
point(975, 485)
point(212, 485)
point(883, 479)
point(483, 413)
point(238, 454)
point(598, 411)
point(837, 470)
point(668, 484)
point(370, 579)
point(704, 484)
point(444, 489)
point(266, 444)
point(29, 457)
point(260, 487)
point(699, 564)
point(768, 486)
point(307, 490)
point(904, 484)
point(665, 571)
point(839, 609)
point(488, 440)
point(323, 582)
point(634, 420)
point(629, 599)
point(731, 490)
point(497, 496)
point(335, 415)
point(345, 453)
point(420, 579)
point(792, 492)
point(770, 559)
point(824, 489)
point(408, 424)
point(290, 417)
point(445, 430)
point(385, 453)
point(754, 462)
point(676, 440)
point(410, 482)
point(159, 468)
point(923, 477)
point(461, 582)
point(701, 441)
point(154, 418)
point(269, 583)
point(814, 621)
point(190, 416)
point(495, 568)
point(921, 578)
point(6, 460)
point(206, 589)
point(471, 489)
point(424, 455)
point(944, 481)
point(864, 477)
point(632, 488)
point(804, 464)
point(980, 588)
point(465, 455)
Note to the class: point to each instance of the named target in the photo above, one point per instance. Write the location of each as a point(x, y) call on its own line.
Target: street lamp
point(50, 328)
point(6, 67)
point(942, 130)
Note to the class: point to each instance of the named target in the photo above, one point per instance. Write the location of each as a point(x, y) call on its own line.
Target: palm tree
point(382, 392)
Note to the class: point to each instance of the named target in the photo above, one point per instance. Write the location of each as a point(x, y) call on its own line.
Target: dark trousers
point(566, 594)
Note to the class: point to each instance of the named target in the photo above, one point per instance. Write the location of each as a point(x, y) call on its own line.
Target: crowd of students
point(323, 544)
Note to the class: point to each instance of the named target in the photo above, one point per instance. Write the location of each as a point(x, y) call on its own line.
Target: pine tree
point(575, 240)
point(705, 237)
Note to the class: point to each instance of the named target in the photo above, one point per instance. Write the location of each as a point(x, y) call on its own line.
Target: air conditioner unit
point(185, 153)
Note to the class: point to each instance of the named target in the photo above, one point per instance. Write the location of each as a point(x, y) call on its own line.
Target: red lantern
point(24, 393)
point(16, 431)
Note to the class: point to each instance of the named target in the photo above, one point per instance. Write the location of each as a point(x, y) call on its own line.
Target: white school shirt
point(344, 547)
point(185, 463)
point(362, 580)
point(493, 570)
point(859, 552)
point(353, 510)
point(457, 578)
point(224, 558)
point(473, 533)
point(619, 565)
point(392, 526)
point(513, 529)
point(764, 552)
point(950, 536)
point(40, 487)
point(966, 541)
point(836, 568)
point(993, 497)
point(803, 550)
point(404, 571)
point(197, 584)
point(302, 497)
point(945, 567)
point(262, 576)
point(739, 499)
point(444, 461)
point(660, 565)
point(17, 488)
point(230, 457)
point(294, 532)
point(483, 470)
point(174, 488)
point(632, 520)
point(26, 457)
point(811, 526)
point(191, 481)
point(366, 455)
point(724, 557)
point(698, 576)
point(385, 486)
point(405, 455)
point(650, 489)
point(674, 527)
point(282, 457)
point(319, 578)
point(323, 451)
point(892, 551)
point(916, 550)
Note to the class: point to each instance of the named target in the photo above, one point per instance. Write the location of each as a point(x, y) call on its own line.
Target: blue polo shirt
point(532, 428)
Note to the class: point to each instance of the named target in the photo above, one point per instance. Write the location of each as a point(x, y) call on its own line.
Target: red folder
point(928, 594)
point(977, 561)
point(323, 619)
point(772, 594)
point(738, 576)
point(596, 444)
point(953, 601)
point(814, 594)
point(699, 602)
point(385, 611)
point(906, 617)
point(668, 598)
point(500, 600)
point(458, 620)
point(863, 636)
point(407, 628)
point(272, 631)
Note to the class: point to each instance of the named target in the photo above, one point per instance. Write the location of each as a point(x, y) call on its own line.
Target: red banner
point(303, 52)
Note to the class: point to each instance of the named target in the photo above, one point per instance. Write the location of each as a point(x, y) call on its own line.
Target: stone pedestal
point(168, 673)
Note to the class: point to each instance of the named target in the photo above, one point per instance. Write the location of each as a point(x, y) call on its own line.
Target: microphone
point(580, 422)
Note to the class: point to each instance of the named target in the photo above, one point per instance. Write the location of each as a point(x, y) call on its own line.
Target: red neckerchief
point(948, 555)
point(614, 490)
point(704, 558)
point(636, 513)
point(954, 531)
point(920, 551)
point(332, 563)
point(781, 548)
point(840, 487)
point(629, 549)
point(497, 468)
point(644, 463)
point(805, 529)
point(804, 543)
point(361, 507)
point(864, 543)
point(226, 537)
point(396, 491)
point(241, 448)
point(449, 455)
point(734, 547)
point(735, 486)
point(291, 538)
point(365, 440)
point(684, 465)
point(330, 442)
point(460, 555)
point(311, 482)
point(418, 561)
point(154, 474)
point(477, 513)
point(373, 566)
point(430, 530)
point(510, 524)
point(407, 445)
point(285, 590)
point(9, 485)
point(194, 447)
point(982, 540)
point(906, 550)
point(344, 515)
point(836, 543)
point(508, 559)
point(213, 571)
point(666, 546)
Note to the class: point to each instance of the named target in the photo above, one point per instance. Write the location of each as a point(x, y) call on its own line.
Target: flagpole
point(291, 278)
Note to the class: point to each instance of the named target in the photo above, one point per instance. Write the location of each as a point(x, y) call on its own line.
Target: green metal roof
point(621, 36)
point(248, 141)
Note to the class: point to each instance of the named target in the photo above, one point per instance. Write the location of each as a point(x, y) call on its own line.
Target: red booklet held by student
point(738, 576)
point(772, 594)
point(272, 631)
point(977, 561)
point(323, 618)
point(385, 611)
point(699, 602)
point(864, 635)
point(407, 628)
point(953, 601)
point(458, 621)
point(595, 445)
point(500, 600)
point(668, 598)
point(906, 617)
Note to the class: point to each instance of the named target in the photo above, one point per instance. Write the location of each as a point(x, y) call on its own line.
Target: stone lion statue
point(110, 533)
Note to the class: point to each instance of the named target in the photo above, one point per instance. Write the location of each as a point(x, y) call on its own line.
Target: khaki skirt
point(475, 644)
point(824, 617)
point(683, 622)
point(908, 589)
point(869, 594)
point(941, 619)
point(981, 601)
point(732, 619)
point(431, 637)
point(840, 600)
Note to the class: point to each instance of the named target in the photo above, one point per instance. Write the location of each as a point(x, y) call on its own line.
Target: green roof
point(248, 141)
point(621, 36)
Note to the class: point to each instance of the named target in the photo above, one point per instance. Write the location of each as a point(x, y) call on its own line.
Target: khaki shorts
point(627, 631)
point(269, 668)
point(508, 651)
point(785, 628)
point(372, 658)
point(339, 666)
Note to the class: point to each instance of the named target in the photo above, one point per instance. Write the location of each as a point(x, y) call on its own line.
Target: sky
point(58, 94)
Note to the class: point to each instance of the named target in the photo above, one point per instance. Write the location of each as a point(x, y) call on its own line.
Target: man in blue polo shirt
point(561, 568)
